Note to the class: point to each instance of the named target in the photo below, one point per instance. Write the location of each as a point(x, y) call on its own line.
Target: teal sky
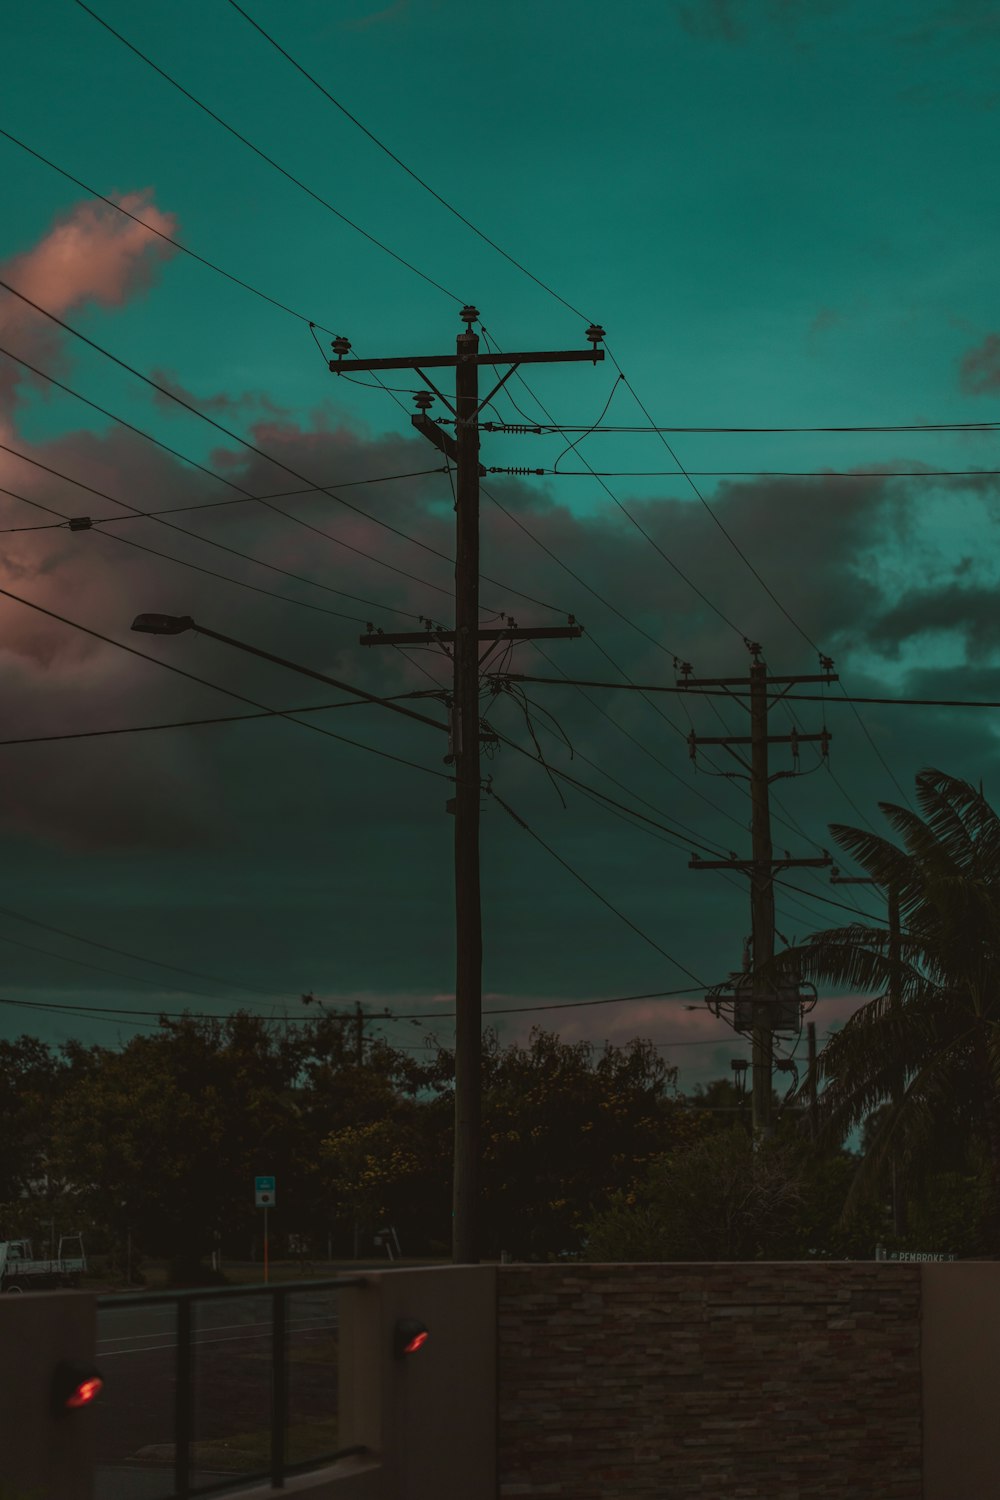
point(784, 214)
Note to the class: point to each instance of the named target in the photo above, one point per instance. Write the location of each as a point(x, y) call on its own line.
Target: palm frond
point(946, 802)
point(911, 1122)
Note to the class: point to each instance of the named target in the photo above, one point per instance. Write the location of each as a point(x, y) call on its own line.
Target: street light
point(154, 624)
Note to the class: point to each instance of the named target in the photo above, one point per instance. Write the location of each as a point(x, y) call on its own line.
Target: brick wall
point(769, 1381)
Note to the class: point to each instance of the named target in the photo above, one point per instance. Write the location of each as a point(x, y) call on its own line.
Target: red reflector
point(85, 1392)
point(416, 1342)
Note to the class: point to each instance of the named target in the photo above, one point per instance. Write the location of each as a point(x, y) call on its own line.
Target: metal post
point(761, 898)
point(182, 1402)
point(468, 914)
point(279, 1387)
point(892, 895)
point(811, 1037)
point(265, 1244)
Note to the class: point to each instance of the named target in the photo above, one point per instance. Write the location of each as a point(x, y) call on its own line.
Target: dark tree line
point(585, 1151)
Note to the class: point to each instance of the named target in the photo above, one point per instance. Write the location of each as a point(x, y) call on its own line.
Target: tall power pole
point(762, 866)
point(463, 450)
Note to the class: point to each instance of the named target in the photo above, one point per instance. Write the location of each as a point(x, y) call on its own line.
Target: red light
point(409, 1335)
point(85, 1392)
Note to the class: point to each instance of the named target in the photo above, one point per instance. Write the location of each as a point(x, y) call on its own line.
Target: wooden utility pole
point(895, 999)
point(762, 866)
point(463, 450)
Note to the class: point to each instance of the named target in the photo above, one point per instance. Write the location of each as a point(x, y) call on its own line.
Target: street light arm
point(176, 624)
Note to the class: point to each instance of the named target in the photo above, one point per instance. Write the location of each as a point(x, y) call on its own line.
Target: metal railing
point(183, 1421)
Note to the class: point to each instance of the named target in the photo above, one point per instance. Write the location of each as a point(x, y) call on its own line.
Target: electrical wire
point(19, 916)
point(266, 713)
point(324, 202)
point(170, 510)
point(603, 899)
point(186, 249)
point(564, 428)
point(310, 486)
point(221, 479)
point(197, 567)
point(692, 692)
point(400, 163)
point(229, 693)
point(117, 973)
point(764, 473)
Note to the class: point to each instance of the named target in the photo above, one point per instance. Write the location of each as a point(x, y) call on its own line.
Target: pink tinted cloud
point(91, 254)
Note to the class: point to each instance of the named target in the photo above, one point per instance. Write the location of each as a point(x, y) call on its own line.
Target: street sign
point(263, 1188)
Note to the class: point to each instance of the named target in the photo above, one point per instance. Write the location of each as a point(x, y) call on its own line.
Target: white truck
point(21, 1272)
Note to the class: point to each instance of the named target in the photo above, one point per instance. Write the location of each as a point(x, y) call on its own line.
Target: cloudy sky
point(782, 212)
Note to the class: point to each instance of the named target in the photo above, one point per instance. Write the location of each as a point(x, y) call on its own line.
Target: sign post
point(264, 1198)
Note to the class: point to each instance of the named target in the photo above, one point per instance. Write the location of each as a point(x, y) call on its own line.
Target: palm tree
point(925, 1053)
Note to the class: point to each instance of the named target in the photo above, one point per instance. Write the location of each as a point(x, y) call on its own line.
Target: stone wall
point(764, 1381)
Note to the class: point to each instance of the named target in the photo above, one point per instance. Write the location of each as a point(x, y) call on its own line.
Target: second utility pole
point(762, 867)
point(463, 449)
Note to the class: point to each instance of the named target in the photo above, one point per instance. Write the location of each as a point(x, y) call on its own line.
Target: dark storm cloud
point(979, 372)
point(218, 404)
point(735, 20)
point(971, 611)
point(329, 866)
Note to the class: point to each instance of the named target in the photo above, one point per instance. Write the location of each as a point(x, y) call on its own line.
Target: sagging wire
point(520, 698)
point(571, 446)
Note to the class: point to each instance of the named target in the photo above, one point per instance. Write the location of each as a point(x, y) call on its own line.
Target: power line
point(107, 1013)
point(647, 824)
point(19, 916)
point(172, 510)
point(603, 899)
point(204, 682)
point(761, 473)
point(722, 616)
point(705, 505)
point(693, 693)
point(400, 163)
point(197, 567)
point(641, 529)
point(324, 202)
point(245, 494)
point(562, 428)
point(662, 764)
point(266, 713)
point(658, 644)
point(202, 259)
point(326, 490)
point(681, 841)
point(101, 969)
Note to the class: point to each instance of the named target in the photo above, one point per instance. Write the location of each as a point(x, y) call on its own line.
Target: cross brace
point(437, 435)
point(442, 361)
point(513, 633)
point(742, 681)
point(746, 739)
point(751, 864)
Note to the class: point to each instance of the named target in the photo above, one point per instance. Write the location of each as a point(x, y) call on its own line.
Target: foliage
point(165, 1136)
point(925, 1052)
point(723, 1198)
point(718, 1199)
point(562, 1127)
